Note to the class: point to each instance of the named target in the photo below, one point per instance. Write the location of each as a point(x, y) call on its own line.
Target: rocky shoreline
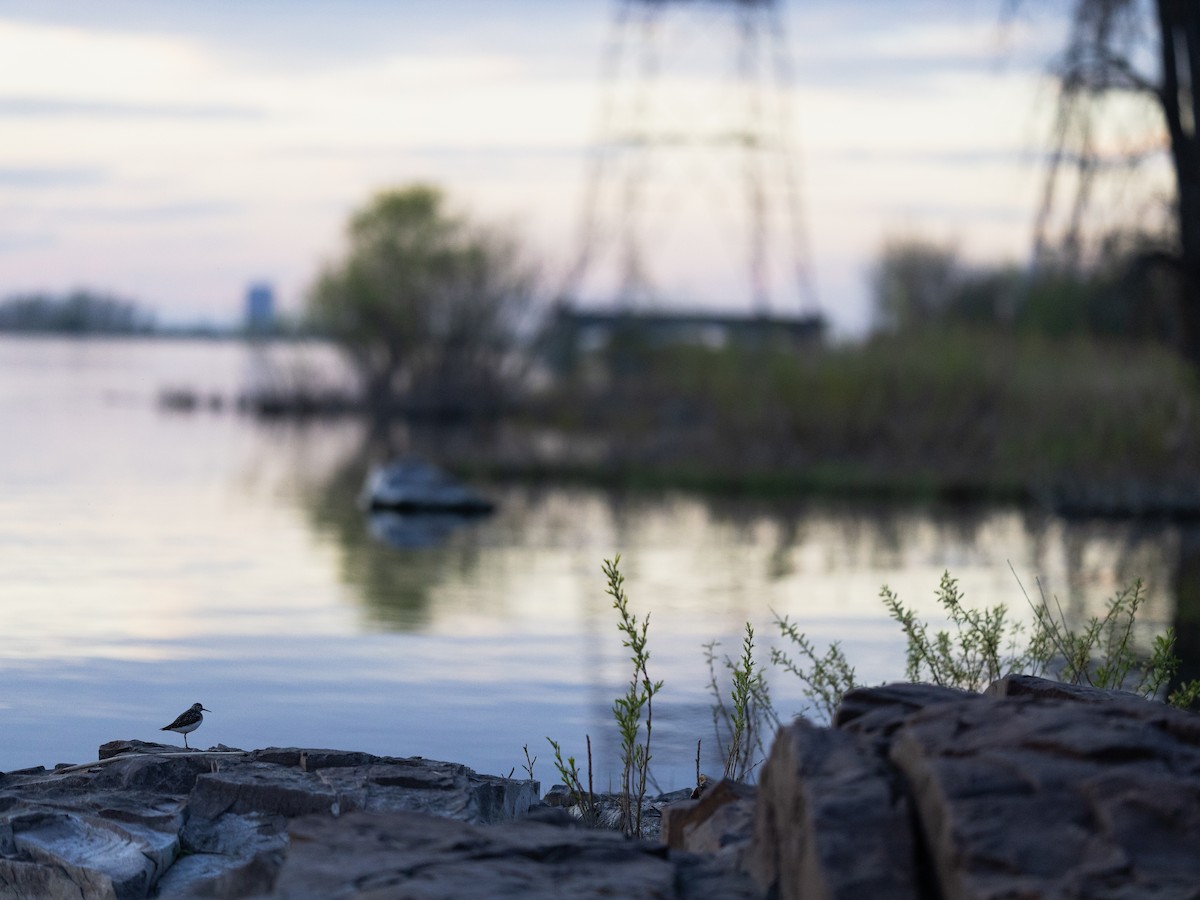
point(1031, 790)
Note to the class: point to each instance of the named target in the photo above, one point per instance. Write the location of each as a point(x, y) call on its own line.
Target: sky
point(175, 152)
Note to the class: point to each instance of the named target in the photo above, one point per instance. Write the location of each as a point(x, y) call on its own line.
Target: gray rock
point(116, 827)
point(407, 855)
point(131, 857)
point(25, 880)
point(1054, 797)
point(879, 711)
point(831, 822)
point(219, 876)
point(1035, 789)
point(261, 788)
point(415, 486)
point(311, 760)
point(719, 823)
point(1030, 686)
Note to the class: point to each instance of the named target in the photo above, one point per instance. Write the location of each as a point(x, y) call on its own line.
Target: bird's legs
point(185, 743)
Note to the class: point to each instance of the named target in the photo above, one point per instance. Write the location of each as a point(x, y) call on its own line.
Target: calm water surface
point(151, 559)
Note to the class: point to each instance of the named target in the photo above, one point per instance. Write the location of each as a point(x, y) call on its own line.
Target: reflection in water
point(392, 562)
point(416, 531)
point(737, 558)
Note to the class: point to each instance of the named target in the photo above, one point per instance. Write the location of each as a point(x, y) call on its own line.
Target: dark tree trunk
point(1179, 94)
point(1187, 607)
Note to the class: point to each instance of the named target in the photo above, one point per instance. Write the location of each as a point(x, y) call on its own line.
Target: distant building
point(260, 308)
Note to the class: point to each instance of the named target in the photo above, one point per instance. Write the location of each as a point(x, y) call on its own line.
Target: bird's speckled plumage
point(187, 721)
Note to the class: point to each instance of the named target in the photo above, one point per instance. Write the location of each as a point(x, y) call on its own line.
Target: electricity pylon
point(693, 185)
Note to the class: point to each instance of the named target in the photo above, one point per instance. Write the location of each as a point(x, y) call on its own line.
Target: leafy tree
point(915, 283)
point(920, 284)
point(78, 312)
point(427, 305)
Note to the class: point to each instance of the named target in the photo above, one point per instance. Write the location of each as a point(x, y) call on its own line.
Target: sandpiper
point(189, 720)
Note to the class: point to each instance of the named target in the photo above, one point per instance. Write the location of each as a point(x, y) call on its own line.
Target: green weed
point(825, 679)
point(982, 648)
point(569, 772)
point(628, 709)
point(633, 713)
point(740, 724)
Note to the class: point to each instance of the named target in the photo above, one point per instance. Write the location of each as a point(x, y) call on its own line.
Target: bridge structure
point(691, 220)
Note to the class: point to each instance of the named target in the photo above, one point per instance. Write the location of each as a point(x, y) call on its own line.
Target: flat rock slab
point(406, 855)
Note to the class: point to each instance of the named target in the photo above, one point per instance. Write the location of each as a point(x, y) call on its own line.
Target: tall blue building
point(260, 308)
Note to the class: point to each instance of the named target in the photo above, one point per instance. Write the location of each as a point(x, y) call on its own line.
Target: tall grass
point(930, 411)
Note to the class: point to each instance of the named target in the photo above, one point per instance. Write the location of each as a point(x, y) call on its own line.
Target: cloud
point(941, 158)
point(13, 242)
point(29, 107)
point(44, 177)
point(156, 212)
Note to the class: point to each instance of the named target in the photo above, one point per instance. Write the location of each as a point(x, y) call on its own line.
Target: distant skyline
point(174, 153)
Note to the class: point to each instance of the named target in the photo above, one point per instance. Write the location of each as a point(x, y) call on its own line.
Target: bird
point(188, 721)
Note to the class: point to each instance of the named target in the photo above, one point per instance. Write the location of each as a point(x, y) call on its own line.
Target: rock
point(262, 789)
point(720, 821)
point(412, 485)
point(1061, 798)
point(311, 760)
point(831, 821)
point(116, 827)
point(1030, 686)
point(128, 858)
point(881, 710)
point(1035, 789)
point(405, 855)
point(215, 876)
point(559, 795)
point(1032, 790)
point(20, 880)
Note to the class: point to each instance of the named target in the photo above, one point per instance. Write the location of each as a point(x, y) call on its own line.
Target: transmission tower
point(692, 186)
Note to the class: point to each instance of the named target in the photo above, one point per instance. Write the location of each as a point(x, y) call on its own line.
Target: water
point(149, 560)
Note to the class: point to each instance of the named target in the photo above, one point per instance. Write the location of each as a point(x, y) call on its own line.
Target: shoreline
point(914, 791)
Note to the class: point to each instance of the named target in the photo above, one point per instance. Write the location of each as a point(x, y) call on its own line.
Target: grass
point(945, 413)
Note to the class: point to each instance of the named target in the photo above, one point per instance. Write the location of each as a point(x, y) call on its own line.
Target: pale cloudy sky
point(173, 152)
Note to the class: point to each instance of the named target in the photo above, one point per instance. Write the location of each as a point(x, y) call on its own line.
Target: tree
point(1148, 51)
point(914, 282)
point(77, 312)
point(427, 306)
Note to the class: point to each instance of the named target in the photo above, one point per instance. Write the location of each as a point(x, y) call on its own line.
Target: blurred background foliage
point(426, 305)
point(919, 283)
